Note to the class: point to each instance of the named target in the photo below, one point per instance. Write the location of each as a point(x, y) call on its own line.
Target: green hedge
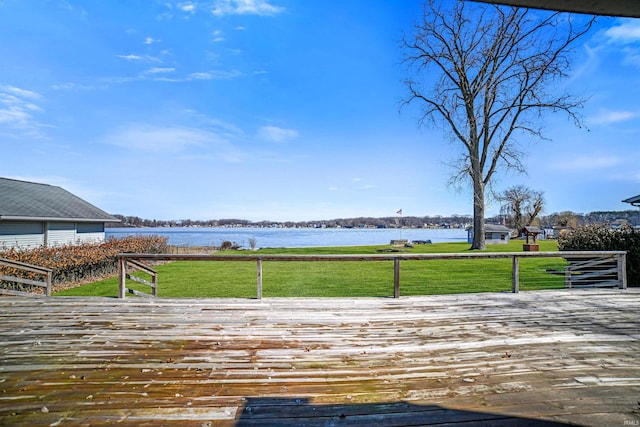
point(598, 237)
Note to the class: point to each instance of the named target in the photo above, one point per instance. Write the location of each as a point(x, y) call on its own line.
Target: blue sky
point(276, 109)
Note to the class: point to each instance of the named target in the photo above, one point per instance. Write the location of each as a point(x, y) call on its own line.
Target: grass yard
point(199, 279)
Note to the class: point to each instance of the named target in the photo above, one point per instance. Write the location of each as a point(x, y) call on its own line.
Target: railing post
point(154, 287)
point(396, 277)
point(622, 270)
point(259, 279)
point(515, 275)
point(49, 279)
point(122, 267)
point(568, 272)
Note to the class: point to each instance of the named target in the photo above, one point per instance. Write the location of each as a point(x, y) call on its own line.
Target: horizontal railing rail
point(619, 257)
point(18, 283)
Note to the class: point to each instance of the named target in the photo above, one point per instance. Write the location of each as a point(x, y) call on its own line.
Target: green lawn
point(336, 279)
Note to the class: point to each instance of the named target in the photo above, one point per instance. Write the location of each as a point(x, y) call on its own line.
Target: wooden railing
point(127, 265)
point(128, 262)
point(19, 284)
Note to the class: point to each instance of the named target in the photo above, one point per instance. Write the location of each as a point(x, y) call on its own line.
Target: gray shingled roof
point(22, 200)
point(496, 228)
point(635, 201)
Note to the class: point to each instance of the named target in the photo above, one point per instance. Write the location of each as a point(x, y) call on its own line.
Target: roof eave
point(626, 8)
point(31, 218)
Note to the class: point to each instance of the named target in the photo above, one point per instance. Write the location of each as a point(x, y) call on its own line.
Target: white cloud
point(209, 75)
point(586, 163)
point(632, 176)
point(23, 93)
point(201, 76)
point(214, 75)
point(173, 140)
point(608, 117)
point(627, 32)
point(626, 37)
point(277, 134)
point(363, 186)
point(187, 7)
point(159, 70)
point(132, 57)
point(217, 36)
point(147, 138)
point(150, 40)
point(631, 56)
point(245, 7)
point(17, 112)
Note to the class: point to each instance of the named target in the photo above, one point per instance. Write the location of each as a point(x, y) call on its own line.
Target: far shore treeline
point(562, 219)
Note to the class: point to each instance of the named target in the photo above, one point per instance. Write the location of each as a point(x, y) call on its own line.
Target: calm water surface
point(291, 237)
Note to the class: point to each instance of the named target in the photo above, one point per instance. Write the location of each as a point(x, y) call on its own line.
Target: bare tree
point(522, 205)
point(487, 73)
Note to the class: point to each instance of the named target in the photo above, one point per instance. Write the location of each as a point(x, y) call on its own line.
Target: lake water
point(291, 237)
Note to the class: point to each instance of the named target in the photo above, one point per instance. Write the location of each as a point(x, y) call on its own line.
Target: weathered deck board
point(495, 359)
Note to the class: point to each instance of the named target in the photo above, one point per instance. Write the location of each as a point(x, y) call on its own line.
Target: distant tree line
point(454, 221)
point(565, 219)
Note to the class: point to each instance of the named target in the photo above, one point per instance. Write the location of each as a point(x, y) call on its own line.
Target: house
point(33, 215)
point(633, 201)
point(492, 233)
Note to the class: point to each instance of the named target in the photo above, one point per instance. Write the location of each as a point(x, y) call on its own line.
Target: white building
point(33, 215)
point(492, 233)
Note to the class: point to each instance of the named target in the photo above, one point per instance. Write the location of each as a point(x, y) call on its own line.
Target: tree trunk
point(479, 242)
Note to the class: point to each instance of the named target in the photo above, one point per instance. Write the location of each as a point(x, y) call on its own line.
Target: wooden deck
point(533, 358)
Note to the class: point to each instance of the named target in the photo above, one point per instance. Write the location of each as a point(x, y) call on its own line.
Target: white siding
point(90, 232)
point(21, 234)
point(61, 233)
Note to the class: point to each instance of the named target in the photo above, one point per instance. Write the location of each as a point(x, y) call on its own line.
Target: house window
point(503, 236)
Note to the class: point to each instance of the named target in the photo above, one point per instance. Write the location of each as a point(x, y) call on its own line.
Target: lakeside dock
point(533, 358)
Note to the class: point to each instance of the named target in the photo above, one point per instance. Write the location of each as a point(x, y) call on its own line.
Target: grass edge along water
point(220, 279)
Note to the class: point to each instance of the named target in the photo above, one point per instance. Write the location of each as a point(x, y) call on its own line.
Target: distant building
point(492, 233)
point(33, 215)
point(633, 201)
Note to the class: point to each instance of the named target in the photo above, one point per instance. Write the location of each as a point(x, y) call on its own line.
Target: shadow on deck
point(299, 412)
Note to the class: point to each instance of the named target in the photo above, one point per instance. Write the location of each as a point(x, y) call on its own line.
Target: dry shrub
point(71, 263)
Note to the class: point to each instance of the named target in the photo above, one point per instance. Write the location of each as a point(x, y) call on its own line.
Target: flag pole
point(399, 213)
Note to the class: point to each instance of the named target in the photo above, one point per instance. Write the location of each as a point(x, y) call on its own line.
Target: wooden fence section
point(594, 272)
point(11, 284)
point(125, 265)
point(127, 260)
